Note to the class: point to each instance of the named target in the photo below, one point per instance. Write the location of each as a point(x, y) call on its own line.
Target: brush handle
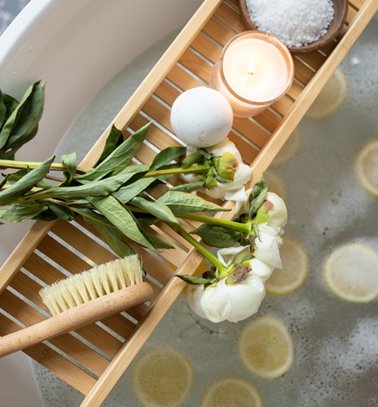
point(76, 318)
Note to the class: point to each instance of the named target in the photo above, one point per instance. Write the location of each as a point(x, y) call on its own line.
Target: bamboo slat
point(95, 357)
point(53, 361)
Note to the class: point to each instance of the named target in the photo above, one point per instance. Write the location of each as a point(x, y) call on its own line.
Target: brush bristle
point(92, 284)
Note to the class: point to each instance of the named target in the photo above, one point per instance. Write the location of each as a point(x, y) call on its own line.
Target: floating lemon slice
point(351, 272)
point(231, 391)
point(367, 167)
point(162, 378)
point(266, 347)
point(294, 269)
point(290, 148)
point(275, 183)
point(330, 98)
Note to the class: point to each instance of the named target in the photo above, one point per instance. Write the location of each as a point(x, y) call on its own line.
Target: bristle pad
point(94, 283)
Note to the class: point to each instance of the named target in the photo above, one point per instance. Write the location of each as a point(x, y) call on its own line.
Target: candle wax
point(256, 70)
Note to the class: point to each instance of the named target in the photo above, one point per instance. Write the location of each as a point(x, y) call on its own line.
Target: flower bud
point(233, 302)
point(226, 166)
point(267, 246)
point(276, 209)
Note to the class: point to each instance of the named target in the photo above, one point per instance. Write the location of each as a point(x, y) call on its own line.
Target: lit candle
point(254, 71)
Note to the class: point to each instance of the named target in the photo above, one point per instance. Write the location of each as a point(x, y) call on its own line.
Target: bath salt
point(294, 22)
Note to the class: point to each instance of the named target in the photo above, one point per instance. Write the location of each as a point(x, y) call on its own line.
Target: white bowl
point(76, 47)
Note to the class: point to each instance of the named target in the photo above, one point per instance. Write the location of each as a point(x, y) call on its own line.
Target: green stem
point(202, 249)
point(29, 165)
point(62, 167)
point(173, 171)
point(228, 224)
point(34, 189)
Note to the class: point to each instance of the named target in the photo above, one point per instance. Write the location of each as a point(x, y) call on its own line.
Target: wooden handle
point(76, 318)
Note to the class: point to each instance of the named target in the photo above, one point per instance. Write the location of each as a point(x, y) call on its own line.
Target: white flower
point(233, 302)
point(230, 190)
point(194, 295)
point(190, 177)
point(260, 269)
point(267, 246)
point(228, 254)
point(276, 210)
point(225, 146)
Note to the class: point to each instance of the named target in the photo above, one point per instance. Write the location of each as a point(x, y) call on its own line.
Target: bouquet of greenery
point(115, 195)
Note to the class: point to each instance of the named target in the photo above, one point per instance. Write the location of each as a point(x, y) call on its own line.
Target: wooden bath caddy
point(93, 359)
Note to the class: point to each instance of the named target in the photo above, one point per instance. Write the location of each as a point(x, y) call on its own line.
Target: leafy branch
point(114, 197)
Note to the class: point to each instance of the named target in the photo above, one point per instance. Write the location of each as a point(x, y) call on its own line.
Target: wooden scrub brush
point(83, 299)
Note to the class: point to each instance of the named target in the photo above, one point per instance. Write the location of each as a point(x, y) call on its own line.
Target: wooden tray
point(94, 358)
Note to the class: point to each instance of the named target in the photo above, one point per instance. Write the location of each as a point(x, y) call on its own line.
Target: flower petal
point(267, 246)
point(233, 302)
point(193, 297)
point(278, 211)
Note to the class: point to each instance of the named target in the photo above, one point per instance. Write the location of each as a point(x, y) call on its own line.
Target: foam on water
point(335, 345)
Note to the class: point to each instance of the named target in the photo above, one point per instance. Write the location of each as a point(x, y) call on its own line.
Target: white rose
point(267, 246)
point(193, 297)
point(227, 190)
point(225, 146)
point(228, 254)
point(276, 210)
point(260, 269)
point(233, 302)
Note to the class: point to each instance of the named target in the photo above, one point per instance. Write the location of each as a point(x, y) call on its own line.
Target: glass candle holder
point(254, 71)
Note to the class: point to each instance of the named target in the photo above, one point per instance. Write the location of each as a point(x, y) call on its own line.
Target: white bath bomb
point(201, 117)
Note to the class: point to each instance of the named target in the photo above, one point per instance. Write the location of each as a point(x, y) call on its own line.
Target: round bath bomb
point(201, 117)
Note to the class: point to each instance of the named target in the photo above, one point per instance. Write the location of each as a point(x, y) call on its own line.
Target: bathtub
point(76, 47)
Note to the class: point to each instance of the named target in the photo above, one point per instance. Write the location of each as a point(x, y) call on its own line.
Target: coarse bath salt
point(295, 22)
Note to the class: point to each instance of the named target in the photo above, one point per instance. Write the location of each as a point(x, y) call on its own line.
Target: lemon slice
point(231, 391)
point(330, 98)
point(266, 347)
point(162, 378)
point(351, 272)
point(275, 183)
point(367, 167)
point(294, 269)
point(290, 148)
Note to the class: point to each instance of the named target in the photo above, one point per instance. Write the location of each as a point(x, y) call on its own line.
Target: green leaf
point(195, 158)
point(218, 236)
point(3, 110)
point(157, 242)
point(26, 183)
point(195, 280)
point(262, 215)
point(93, 188)
point(22, 124)
point(114, 139)
point(166, 156)
point(184, 202)
point(145, 219)
point(15, 176)
point(61, 212)
point(10, 103)
point(109, 233)
point(128, 192)
point(69, 161)
point(190, 187)
point(119, 158)
point(121, 218)
point(155, 208)
point(21, 212)
point(257, 197)
point(46, 215)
